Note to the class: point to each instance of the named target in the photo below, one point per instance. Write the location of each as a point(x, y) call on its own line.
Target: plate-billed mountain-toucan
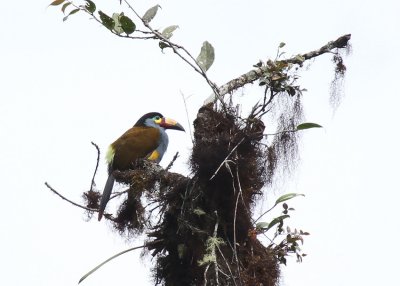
point(146, 139)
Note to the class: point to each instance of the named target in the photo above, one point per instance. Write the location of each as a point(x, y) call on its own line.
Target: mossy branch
point(255, 74)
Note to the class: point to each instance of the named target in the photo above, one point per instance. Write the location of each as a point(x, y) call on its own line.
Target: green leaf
point(90, 6)
point(65, 6)
point(106, 261)
point(70, 13)
point(276, 221)
point(308, 125)
point(163, 45)
point(117, 25)
point(262, 225)
point(127, 24)
point(168, 32)
point(281, 45)
point(107, 21)
point(206, 57)
point(150, 14)
point(265, 226)
point(287, 197)
point(56, 2)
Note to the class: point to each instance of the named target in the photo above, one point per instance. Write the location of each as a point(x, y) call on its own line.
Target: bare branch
point(222, 163)
point(227, 264)
point(213, 250)
point(117, 194)
point(115, 256)
point(187, 115)
point(172, 161)
point(107, 216)
point(65, 199)
point(97, 165)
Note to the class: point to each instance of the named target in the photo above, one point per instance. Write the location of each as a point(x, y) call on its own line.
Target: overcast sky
point(63, 85)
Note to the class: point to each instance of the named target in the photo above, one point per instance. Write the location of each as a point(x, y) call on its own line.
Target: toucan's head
point(155, 119)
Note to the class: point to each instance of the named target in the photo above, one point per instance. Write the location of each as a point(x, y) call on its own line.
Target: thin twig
point(71, 202)
point(151, 203)
point(116, 255)
point(213, 249)
point(175, 47)
point(230, 153)
point(264, 213)
point(227, 264)
point(117, 194)
point(172, 161)
point(97, 165)
point(187, 116)
point(161, 37)
point(280, 132)
point(241, 192)
point(234, 233)
point(234, 224)
point(114, 32)
point(205, 274)
point(223, 273)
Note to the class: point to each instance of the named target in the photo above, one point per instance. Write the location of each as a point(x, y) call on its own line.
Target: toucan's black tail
point(106, 195)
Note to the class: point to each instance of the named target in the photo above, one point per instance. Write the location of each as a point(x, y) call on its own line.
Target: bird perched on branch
point(147, 139)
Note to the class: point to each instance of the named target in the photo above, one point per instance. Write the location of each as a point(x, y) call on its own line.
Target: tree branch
point(224, 161)
point(92, 184)
point(256, 74)
point(189, 59)
point(65, 199)
point(172, 161)
point(115, 256)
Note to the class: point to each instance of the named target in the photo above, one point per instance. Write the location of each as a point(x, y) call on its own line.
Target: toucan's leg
point(106, 195)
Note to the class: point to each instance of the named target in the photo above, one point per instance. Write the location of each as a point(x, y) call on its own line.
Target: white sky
point(63, 85)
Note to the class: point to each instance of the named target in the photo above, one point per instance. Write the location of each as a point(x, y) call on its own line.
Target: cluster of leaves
point(277, 74)
point(290, 243)
point(123, 26)
point(118, 23)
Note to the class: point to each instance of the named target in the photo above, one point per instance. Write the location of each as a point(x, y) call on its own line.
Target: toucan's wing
point(137, 142)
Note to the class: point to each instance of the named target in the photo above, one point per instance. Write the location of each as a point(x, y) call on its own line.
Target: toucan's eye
point(157, 117)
